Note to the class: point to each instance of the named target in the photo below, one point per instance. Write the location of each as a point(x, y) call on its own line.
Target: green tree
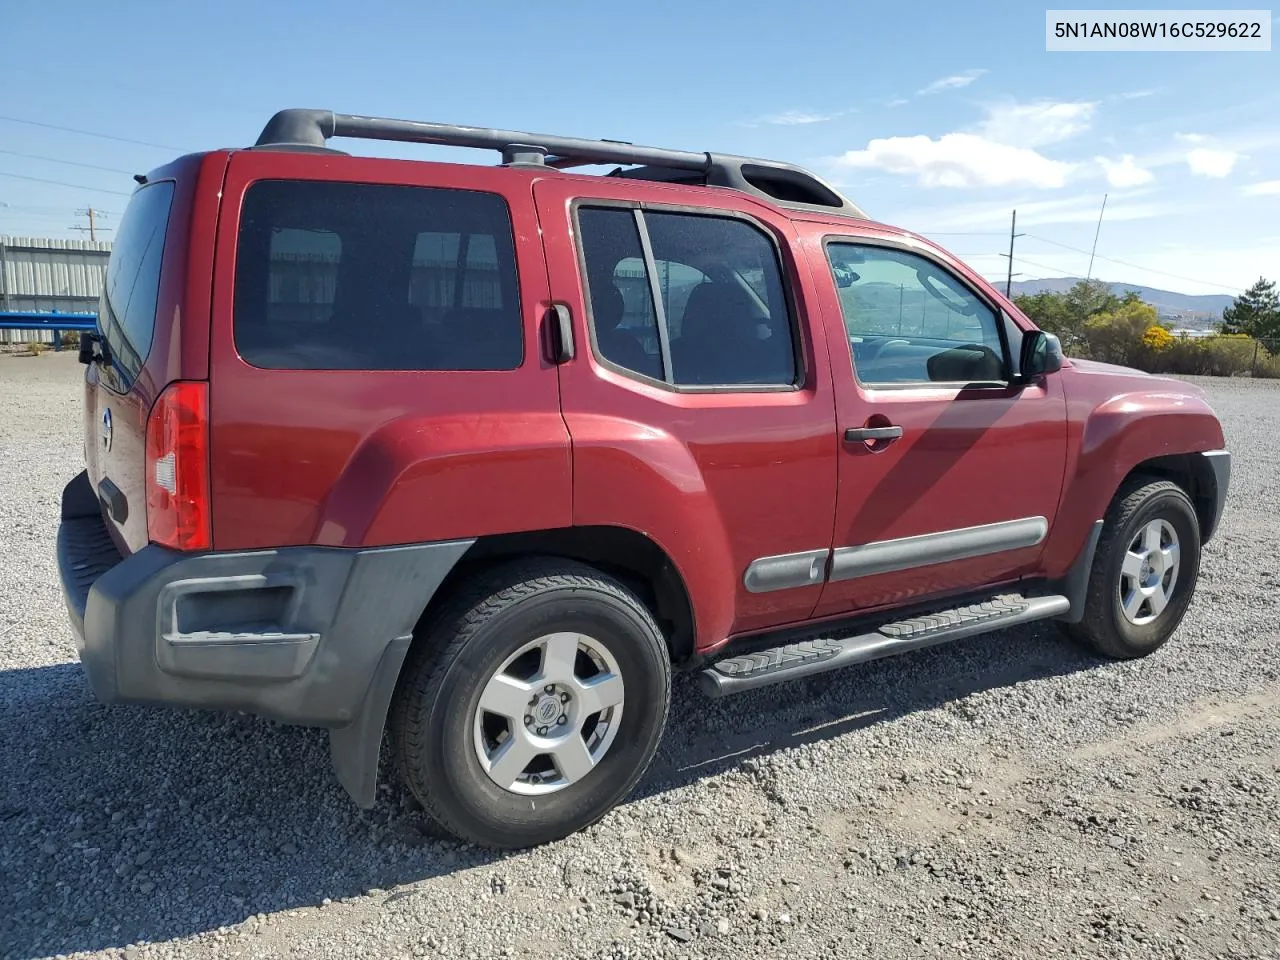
point(1091, 297)
point(1049, 312)
point(1065, 314)
point(1117, 336)
point(1256, 312)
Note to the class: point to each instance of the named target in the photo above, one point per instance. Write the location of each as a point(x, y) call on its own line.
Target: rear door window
point(348, 276)
point(127, 309)
point(722, 318)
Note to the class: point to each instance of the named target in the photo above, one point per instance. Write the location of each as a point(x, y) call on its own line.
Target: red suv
point(483, 453)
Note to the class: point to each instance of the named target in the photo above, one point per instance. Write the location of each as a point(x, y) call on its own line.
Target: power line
point(1042, 266)
point(1134, 266)
point(34, 217)
point(63, 183)
point(14, 210)
point(90, 133)
point(59, 209)
point(69, 163)
point(1097, 233)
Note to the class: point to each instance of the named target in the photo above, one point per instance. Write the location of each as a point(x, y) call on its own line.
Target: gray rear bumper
point(305, 635)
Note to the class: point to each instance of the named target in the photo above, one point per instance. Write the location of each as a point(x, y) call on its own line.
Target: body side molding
point(886, 556)
point(785, 571)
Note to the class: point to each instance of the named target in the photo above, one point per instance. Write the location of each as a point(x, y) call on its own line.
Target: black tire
point(1105, 628)
point(432, 717)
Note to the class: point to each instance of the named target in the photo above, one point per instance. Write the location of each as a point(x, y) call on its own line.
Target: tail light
point(178, 468)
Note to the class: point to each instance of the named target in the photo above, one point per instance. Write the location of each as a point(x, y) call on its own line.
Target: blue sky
point(938, 117)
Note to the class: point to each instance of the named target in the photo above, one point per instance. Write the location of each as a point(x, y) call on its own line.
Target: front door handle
point(866, 434)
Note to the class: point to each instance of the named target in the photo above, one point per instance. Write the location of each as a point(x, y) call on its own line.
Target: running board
point(820, 654)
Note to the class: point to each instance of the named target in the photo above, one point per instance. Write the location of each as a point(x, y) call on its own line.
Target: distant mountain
point(1168, 304)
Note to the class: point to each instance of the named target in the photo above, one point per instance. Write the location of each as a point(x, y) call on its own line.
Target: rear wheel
point(1144, 572)
point(532, 705)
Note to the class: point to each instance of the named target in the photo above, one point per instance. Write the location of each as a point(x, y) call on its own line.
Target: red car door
point(949, 473)
point(698, 402)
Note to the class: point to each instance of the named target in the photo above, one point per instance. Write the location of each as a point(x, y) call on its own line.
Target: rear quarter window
point(350, 276)
point(127, 309)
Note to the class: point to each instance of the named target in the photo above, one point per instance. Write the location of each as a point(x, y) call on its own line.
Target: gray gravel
point(1004, 796)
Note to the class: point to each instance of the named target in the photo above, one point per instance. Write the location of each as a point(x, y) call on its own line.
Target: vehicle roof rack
point(783, 184)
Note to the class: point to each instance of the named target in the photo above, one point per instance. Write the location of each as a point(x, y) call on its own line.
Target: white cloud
point(897, 102)
point(796, 118)
point(953, 82)
point(1125, 172)
point(1267, 188)
point(1038, 123)
point(1190, 137)
point(1000, 153)
point(1211, 163)
point(1137, 94)
point(958, 160)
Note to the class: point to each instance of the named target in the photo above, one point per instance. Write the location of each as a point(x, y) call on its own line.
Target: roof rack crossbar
point(783, 183)
point(313, 127)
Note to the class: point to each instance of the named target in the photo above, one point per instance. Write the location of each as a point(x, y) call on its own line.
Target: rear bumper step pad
point(820, 654)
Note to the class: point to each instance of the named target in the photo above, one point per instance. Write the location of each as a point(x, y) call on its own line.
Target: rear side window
point(127, 309)
point(348, 276)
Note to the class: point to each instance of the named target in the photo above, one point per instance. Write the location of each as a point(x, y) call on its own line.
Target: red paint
point(179, 344)
point(966, 458)
point(716, 480)
point(374, 458)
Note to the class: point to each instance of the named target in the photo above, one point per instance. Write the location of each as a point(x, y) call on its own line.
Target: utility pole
point(1013, 233)
point(4, 277)
point(92, 229)
point(4, 271)
point(1096, 233)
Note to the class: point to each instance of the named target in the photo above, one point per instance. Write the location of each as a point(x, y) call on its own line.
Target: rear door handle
point(561, 331)
point(863, 434)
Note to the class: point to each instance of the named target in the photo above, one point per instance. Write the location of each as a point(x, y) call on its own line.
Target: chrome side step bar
point(820, 654)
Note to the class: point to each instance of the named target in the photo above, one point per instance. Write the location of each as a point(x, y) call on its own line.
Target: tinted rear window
point(348, 276)
point(127, 310)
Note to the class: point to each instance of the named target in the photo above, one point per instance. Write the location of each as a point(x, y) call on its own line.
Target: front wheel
point(1144, 572)
point(532, 704)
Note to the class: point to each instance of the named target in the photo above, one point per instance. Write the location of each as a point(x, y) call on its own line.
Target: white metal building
point(50, 275)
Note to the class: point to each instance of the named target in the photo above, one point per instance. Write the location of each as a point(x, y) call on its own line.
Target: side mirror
point(845, 275)
point(1041, 353)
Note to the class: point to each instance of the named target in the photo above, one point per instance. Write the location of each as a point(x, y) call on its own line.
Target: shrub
point(1268, 366)
point(1157, 339)
point(1229, 354)
point(1118, 336)
point(1217, 356)
point(71, 338)
point(35, 348)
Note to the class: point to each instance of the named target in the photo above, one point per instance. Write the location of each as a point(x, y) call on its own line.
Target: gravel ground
point(1003, 796)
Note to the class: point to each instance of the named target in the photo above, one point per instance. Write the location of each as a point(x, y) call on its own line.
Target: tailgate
point(118, 395)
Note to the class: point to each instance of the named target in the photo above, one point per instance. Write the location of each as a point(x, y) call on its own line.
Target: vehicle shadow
point(120, 824)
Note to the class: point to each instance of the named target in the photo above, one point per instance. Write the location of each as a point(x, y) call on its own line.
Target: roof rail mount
point(783, 184)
